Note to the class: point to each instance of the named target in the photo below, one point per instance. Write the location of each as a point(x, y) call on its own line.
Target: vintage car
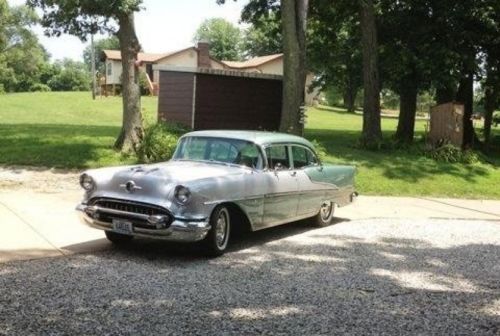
point(216, 182)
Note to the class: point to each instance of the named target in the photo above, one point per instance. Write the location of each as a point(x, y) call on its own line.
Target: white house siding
point(116, 71)
point(274, 67)
point(187, 58)
point(216, 65)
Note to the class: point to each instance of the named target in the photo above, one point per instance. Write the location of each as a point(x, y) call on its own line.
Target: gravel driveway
point(360, 277)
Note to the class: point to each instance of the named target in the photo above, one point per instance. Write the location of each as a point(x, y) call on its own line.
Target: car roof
point(258, 137)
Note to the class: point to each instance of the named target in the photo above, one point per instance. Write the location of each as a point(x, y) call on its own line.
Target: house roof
point(253, 62)
point(145, 57)
point(148, 57)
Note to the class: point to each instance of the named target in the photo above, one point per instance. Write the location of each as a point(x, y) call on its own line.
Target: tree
point(293, 14)
point(225, 38)
point(85, 17)
point(294, 21)
point(334, 48)
point(69, 75)
point(108, 43)
point(263, 37)
point(21, 55)
point(372, 131)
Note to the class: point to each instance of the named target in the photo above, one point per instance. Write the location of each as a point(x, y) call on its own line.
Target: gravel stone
point(396, 277)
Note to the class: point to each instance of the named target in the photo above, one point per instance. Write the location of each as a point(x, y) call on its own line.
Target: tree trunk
point(491, 95)
point(372, 132)
point(350, 98)
point(465, 95)
point(407, 111)
point(294, 19)
point(131, 132)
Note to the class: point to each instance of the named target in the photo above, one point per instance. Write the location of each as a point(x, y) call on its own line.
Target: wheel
point(325, 215)
point(217, 238)
point(118, 238)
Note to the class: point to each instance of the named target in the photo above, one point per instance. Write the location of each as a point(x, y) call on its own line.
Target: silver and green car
point(216, 182)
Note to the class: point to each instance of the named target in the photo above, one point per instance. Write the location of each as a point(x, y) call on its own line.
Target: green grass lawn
point(63, 129)
point(398, 172)
point(69, 130)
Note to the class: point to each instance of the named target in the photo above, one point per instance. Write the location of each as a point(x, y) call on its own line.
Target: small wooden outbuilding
point(204, 98)
point(447, 124)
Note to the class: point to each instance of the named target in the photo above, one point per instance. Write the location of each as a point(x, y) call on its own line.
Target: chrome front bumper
point(182, 230)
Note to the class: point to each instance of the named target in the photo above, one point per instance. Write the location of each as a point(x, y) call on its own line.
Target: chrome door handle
point(294, 173)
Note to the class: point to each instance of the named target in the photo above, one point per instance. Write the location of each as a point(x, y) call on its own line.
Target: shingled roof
point(253, 62)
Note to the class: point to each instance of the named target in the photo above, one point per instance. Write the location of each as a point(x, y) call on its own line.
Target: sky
point(163, 25)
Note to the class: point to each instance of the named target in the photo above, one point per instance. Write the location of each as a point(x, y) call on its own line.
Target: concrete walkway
point(36, 225)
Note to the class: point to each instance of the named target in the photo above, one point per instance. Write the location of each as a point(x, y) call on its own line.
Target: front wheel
point(217, 238)
point(118, 238)
point(325, 215)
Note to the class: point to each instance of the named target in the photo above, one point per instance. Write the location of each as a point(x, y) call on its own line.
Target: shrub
point(452, 154)
point(320, 150)
point(159, 142)
point(38, 87)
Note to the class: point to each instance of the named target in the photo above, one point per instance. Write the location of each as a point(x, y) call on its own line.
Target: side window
point(277, 156)
point(249, 156)
point(110, 68)
point(299, 156)
point(303, 157)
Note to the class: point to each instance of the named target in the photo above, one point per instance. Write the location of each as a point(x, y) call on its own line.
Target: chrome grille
point(129, 206)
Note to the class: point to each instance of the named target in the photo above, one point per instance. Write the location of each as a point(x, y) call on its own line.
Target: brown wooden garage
point(219, 99)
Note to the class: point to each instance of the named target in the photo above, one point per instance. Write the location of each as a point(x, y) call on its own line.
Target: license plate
point(122, 226)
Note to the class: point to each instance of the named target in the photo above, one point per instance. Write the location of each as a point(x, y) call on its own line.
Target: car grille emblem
point(130, 186)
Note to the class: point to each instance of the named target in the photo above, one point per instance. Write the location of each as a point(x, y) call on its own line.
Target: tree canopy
point(225, 38)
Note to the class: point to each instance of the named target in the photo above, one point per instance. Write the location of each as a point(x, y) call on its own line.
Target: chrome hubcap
point(221, 229)
point(326, 210)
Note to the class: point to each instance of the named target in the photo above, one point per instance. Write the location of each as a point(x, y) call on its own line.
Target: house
point(192, 58)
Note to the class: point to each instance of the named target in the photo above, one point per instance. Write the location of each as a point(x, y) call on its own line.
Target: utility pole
point(93, 65)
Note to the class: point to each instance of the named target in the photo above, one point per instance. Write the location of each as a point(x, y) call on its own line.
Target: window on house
point(110, 68)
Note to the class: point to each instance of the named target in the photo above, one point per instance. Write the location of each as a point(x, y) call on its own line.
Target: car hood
point(177, 171)
point(157, 181)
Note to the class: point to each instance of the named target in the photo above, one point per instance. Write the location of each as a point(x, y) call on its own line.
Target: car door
point(280, 200)
point(310, 193)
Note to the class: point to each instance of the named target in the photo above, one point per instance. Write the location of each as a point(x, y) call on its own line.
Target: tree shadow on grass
point(327, 282)
point(406, 165)
point(53, 145)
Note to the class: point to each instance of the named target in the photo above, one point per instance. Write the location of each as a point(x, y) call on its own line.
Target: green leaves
point(225, 39)
point(83, 17)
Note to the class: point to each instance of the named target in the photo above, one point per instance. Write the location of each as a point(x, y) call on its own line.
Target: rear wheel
point(325, 215)
point(217, 238)
point(118, 238)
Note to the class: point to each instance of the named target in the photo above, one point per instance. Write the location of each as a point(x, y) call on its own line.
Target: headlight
point(87, 182)
point(182, 194)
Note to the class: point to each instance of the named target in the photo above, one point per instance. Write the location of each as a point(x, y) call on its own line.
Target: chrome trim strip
point(177, 231)
point(96, 208)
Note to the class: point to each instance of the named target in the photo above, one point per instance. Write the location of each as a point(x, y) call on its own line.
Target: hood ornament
point(130, 186)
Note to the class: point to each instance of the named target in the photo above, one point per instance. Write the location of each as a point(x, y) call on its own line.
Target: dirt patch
point(45, 180)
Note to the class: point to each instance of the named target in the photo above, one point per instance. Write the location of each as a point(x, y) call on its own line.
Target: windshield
point(231, 151)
